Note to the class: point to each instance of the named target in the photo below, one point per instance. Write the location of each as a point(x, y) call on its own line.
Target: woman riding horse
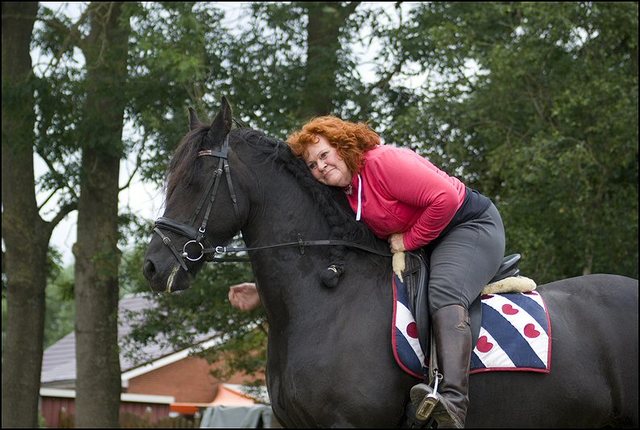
point(324, 344)
point(407, 200)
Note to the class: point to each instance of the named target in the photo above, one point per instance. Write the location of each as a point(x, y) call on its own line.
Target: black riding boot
point(452, 332)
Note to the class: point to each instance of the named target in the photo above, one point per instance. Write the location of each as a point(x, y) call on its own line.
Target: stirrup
point(427, 406)
point(430, 401)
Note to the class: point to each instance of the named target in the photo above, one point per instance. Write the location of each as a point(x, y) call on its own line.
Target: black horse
point(330, 362)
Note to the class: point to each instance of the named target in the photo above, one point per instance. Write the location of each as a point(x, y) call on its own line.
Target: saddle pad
point(515, 334)
point(404, 337)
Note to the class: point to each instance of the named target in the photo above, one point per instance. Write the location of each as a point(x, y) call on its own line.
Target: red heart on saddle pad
point(483, 344)
point(412, 330)
point(530, 331)
point(509, 310)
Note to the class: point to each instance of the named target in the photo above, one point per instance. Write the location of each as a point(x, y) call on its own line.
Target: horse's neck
point(284, 212)
point(281, 207)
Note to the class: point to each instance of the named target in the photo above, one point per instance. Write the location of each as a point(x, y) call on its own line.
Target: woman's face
point(326, 165)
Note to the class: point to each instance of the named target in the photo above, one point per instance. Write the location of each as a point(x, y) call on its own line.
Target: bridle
point(197, 238)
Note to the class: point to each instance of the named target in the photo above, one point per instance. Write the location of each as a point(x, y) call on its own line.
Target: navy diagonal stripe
point(532, 307)
point(475, 362)
point(518, 349)
point(406, 353)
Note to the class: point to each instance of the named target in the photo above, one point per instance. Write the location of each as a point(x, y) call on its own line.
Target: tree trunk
point(96, 252)
point(26, 235)
point(323, 45)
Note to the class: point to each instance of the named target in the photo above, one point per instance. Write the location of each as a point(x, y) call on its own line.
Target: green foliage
point(137, 231)
point(246, 350)
point(175, 62)
point(58, 92)
point(60, 308)
point(184, 317)
point(546, 126)
point(266, 67)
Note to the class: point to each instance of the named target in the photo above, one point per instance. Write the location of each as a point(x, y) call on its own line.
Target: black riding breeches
point(464, 260)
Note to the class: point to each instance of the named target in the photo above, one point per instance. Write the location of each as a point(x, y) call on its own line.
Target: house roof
point(59, 360)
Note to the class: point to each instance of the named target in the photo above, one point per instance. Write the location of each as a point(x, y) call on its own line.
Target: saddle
point(416, 277)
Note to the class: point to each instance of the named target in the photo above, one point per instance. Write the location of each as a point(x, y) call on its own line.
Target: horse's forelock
point(182, 165)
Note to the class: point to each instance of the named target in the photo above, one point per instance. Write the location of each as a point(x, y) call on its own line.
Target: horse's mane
point(340, 219)
point(184, 168)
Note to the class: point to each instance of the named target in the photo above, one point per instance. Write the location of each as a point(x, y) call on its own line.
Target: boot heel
point(426, 407)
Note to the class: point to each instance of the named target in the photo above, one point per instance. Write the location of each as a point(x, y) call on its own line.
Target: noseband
point(197, 236)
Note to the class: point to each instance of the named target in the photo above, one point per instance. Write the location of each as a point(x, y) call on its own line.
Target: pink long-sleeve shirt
point(403, 192)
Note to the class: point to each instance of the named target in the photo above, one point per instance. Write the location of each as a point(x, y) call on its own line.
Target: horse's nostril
point(148, 269)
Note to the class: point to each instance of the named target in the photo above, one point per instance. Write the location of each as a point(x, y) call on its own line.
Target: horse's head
point(202, 209)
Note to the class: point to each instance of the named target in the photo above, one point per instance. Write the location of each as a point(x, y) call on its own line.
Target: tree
point(535, 104)
point(325, 22)
point(96, 250)
point(175, 59)
point(24, 232)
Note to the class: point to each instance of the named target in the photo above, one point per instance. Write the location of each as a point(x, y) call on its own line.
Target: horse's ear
point(193, 119)
point(221, 124)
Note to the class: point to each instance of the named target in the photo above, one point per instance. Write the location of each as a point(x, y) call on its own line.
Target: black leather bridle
point(197, 238)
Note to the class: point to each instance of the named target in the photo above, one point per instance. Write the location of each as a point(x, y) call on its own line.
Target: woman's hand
point(244, 296)
point(396, 243)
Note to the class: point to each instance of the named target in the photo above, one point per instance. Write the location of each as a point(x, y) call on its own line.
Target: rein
point(300, 243)
point(192, 233)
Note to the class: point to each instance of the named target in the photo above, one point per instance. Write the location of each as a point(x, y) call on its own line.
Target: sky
point(143, 199)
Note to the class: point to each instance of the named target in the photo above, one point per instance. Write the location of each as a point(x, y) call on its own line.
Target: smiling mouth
point(326, 174)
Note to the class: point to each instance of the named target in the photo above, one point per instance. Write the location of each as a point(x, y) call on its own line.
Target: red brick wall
point(59, 412)
point(188, 380)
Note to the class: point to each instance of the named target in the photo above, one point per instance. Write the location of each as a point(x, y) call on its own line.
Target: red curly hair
point(350, 139)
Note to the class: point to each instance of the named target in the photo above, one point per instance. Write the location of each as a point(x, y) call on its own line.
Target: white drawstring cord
point(359, 213)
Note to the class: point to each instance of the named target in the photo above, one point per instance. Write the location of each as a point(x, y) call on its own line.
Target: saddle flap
point(415, 278)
